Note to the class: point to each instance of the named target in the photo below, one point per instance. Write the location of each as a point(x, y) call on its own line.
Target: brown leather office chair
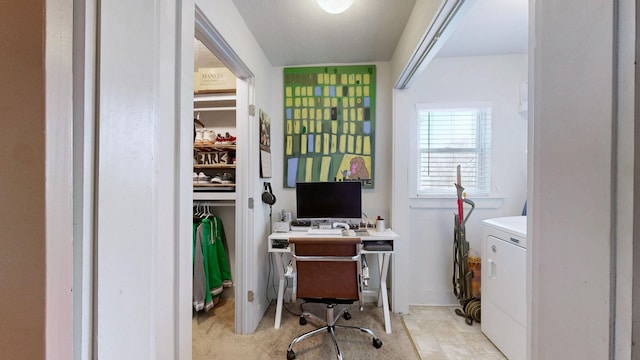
point(327, 271)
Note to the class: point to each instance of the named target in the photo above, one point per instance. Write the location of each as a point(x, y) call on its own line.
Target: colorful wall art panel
point(329, 124)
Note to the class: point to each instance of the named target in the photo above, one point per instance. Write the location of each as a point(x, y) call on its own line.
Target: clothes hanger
point(209, 211)
point(205, 212)
point(195, 210)
point(199, 210)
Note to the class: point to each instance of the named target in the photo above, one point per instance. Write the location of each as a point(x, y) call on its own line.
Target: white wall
point(571, 184)
point(494, 80)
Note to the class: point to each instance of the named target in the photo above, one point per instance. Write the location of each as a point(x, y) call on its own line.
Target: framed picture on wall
point(265, 145)
point(329, 124)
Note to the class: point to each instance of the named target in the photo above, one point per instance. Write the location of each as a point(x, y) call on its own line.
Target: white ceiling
point(298, 32)
point(490, 27)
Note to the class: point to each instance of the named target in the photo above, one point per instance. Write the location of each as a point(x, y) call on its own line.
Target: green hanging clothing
point(201, 296)
point(216, 262)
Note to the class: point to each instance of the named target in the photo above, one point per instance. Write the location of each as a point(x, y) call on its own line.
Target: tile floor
point(439, 334)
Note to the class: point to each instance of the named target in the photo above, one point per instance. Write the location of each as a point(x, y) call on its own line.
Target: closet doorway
point(220, 167)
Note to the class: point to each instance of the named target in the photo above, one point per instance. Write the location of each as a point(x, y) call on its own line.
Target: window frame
point(415, 156)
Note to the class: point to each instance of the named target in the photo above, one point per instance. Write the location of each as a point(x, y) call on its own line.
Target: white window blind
point(449, 137)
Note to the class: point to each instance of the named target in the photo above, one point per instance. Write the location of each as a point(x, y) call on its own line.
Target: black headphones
point(267, 196)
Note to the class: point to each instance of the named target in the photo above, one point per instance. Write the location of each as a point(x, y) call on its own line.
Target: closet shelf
point(227, 108)
point(214, 196)
point(213, 147)
point(214, 97)
point(214, 166)
point(214, 102)
point(215, 202)
point(200, 185)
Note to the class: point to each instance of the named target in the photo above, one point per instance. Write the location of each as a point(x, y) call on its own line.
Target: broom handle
point(459, 189)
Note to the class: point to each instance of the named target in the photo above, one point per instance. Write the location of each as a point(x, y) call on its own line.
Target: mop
point(461, 274)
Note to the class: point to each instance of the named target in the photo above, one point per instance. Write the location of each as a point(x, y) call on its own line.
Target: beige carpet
point(213, 336)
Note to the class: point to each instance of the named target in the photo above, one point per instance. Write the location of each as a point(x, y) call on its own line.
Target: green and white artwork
point(329, 117)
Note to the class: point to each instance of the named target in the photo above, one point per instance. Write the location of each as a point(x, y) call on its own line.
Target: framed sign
point(329, 118)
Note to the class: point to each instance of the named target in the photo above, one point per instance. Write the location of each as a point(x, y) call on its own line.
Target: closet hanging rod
point(227, 108)
point(217, 203)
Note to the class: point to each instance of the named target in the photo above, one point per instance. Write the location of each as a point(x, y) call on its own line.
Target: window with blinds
point(449, 137)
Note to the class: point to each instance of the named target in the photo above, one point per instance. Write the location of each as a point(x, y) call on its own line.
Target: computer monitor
point(341, 200)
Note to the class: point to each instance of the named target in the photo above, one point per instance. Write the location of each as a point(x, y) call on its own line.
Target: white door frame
point(213, 40)
point(84, 109)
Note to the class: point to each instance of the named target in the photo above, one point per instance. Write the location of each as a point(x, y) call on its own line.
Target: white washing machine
point(503, 297)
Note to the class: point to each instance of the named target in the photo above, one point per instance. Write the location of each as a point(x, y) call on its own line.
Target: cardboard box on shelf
point(218, 79)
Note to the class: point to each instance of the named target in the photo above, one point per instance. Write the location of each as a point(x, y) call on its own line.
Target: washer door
point(506, 278)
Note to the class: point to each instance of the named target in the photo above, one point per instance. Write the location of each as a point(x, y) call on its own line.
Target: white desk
point(384, 241)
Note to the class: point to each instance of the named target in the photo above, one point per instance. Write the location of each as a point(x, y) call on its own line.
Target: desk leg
point(383, 292)
point(278, 257)
point(381, 258)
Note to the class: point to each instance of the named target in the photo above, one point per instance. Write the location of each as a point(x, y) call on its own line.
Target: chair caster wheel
point(377, 343)
point(303, 321)
point(346, 316)
point(291, 355)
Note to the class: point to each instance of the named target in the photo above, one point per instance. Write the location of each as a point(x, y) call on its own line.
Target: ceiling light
point(335, 6)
